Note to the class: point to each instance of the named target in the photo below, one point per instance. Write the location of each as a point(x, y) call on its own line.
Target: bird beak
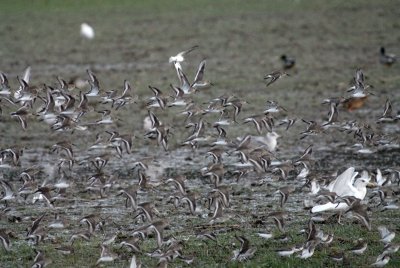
point(372, 185)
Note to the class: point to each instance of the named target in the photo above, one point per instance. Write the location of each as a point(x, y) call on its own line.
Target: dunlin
point(158, 228)
point(132, 243)
point(94, 84)
point(289, 251)
point(332, 116)
point(125, 98)
point(8, 191)
point(245, 252)
point(85, 235)
point(273, 107)
point(199, 82)
point(381, 262)
point(4, 86)
point(131, 196)
point(313, 129)
point(288, 62)
point(65, 250)
point(179, 182)
point(359, 211)
point(25, 93)
point(360, 247)
point(21, 115)
point(386, 235)
point(308, 249)
point(284, 192)
point(288, 122)
point(5, 240)
point(386, 59)
point(274, 76)
point(279, 219)
point(389, 249)
point(387, 115)
point(106, 255)
point(40, 261)
point(93, 222)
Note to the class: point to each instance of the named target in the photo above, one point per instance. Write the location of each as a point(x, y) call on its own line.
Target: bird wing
point(183, 53)
point(343, 183)
point(200, 72)
point(27, 74)
point(185, 85)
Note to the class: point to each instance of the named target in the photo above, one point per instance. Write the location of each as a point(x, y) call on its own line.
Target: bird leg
point(340, 216)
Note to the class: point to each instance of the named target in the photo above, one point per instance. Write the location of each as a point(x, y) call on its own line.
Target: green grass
point(216, 254)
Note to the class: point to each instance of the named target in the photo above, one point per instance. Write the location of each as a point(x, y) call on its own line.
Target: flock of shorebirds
point(84, 172)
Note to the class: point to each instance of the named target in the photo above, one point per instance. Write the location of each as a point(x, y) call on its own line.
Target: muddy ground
point(241, 43)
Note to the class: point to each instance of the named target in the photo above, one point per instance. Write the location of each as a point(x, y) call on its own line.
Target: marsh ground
point(241, 41)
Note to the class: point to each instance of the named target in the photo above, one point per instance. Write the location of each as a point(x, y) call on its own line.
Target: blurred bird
point(387, 115)
point(359, 93)
point(386, 59)
point(270, 141)
point(245, 252)
point(345, 185)
point(284, 193)
point(87, 31)
point(274, 76)
point(106, 255)
point(5, 240)
point(4, 86)
point(381, 262)
point(389, 249)
point(386, 235)
point(288, 62)
point(360, 247)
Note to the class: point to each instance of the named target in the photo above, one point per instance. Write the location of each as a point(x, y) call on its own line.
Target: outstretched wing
point(343, 184)
point(200, 72)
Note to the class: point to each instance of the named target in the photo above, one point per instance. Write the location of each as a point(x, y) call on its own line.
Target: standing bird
point(381, 262)
point(87, 31)
point(386, 59)
point(284, 193)
point(288, 62)
point(360, 247)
